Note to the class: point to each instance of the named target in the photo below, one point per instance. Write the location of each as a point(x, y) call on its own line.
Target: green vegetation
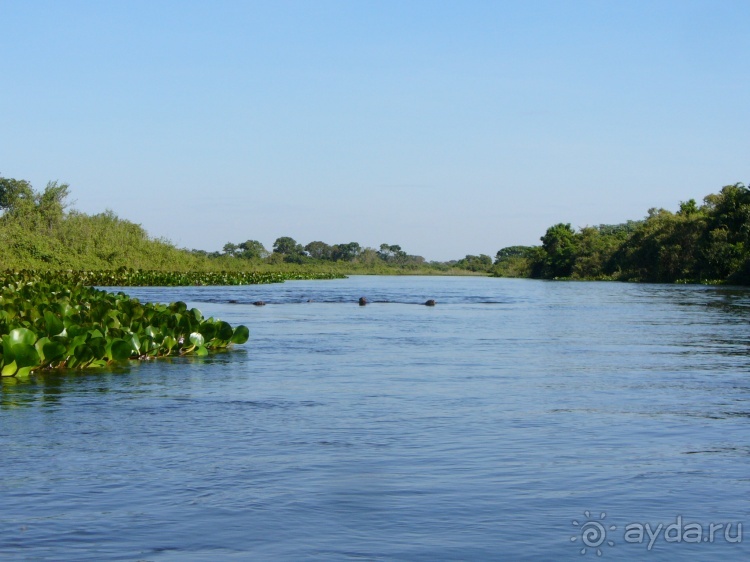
point(37, 231)
point(697, 243)
point(124, 277)
point(47, 322)
point(515, 261)
point(707, 243)
point(343, 258)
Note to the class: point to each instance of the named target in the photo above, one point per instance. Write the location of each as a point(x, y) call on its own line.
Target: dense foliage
point(46, 322)
point(287, 250)
point(37, 231)
point(697, 243)
point(708, 243)
point(125, 277)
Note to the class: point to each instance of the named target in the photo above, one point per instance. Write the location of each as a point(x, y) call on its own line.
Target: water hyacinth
point(125, 277)
point(48, 322)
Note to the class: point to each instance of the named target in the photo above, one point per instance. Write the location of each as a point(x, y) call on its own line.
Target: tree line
point(287, 250)
point(706, 243)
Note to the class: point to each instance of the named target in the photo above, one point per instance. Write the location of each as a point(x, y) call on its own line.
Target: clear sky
point(450, 128)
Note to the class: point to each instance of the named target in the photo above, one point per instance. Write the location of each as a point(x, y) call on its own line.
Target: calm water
point(476, 430)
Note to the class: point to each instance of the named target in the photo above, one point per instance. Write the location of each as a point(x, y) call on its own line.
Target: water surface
point(479, 429)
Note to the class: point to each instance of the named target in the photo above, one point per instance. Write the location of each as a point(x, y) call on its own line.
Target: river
point(514, 420)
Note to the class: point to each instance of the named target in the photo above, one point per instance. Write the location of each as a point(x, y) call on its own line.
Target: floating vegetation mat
point(52, 320)
point(142, 278)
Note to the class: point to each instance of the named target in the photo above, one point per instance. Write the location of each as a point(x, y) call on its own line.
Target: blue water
point(479, 429)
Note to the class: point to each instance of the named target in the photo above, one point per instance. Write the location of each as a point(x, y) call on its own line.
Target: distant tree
point(559, 244)
point(368, 256)
point(15, 194)
point(287, 246)
point(19, 201)
point(593, 250)
point(481, 262)
point(229, 249)
point(687, 208)
point(51, 203)
point(289, 249)
point(514, 261)
point(392, 253)
point(252, 250)
point(513, 252)
point(319, 250)
point(346, 252)
point(664, 248)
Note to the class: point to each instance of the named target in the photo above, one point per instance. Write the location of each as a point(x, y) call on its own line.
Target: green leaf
point(10, 310)
point(74, 330)
point(241, 335)
point(52, 323)
point(26, 355)
point(9, 370)
point(39, 345)
point(224, 331)
point(24, 372)
point(83, 355)
point(22, 335)
point(135, 343)
point(208, 330)
point(178, 306)
point(121, 350)
point(54, 351)
point(197, 339)
point(168, 343)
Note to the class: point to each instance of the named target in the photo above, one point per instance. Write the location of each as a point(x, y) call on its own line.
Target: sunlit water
point(479, 429)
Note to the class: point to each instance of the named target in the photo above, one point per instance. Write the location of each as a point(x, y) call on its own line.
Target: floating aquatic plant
point(52, 320)
point(125, 277)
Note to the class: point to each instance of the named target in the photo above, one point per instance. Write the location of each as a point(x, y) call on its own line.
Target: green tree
point(252, 250)
point(664, 248)
point(229, 249)
point(15, 195)
point(688, 208)
point(346, 252)
point(559, 244)
point(482, 262)
point(286, 245)
point(726, 244)
point(594, 251)
point(513, 252)
point(392, 253)
point(289, 249)
point(319, 250)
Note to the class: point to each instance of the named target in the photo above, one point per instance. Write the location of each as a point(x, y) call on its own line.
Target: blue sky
point(446, 127)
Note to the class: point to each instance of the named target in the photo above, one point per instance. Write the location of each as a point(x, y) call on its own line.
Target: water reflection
point(49, 388)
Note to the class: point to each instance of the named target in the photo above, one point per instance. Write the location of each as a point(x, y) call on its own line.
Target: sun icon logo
point(593, 533)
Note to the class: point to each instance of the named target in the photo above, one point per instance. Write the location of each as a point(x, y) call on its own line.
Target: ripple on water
point(477, 429)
